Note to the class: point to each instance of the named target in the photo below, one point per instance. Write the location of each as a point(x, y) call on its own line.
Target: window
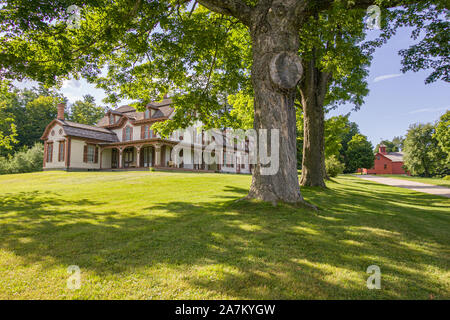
point(385, 166)
point(147, 114)
point(90, 153)
point(148, 132)
point(111, 118)
point(61, 151)
point(127, 133)
point(49, 152)
point(378, 157)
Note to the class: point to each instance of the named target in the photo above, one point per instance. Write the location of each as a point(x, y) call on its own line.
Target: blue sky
point(395, 100)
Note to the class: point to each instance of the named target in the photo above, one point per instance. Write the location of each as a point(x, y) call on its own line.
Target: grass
point(434, 181)
point(157, 235)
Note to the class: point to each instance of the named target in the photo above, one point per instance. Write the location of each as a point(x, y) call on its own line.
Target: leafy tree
point(422, 154)
point(29, 111)
point(398, 142)
point(442, 133)
point(86, 111)
point(390, 146)
point(8, 129)
point(336, 129)
point(151, 46)
point(333, 166)
point(359, 153)
point(352, 130)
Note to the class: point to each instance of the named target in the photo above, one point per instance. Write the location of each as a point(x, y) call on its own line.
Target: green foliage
point(333, 166)
point(151, 47)
point(26, 160)
point(359, 153)
point(442, 133)
point(86, 111)
point(352, 130)
point(8, 129)
point(335, 130)
point(390, 146)
point(242, 110)
point(423, 155)
point(27, 112)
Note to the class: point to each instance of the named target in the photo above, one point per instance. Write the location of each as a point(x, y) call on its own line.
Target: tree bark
point(313, 89)
point(276, 71)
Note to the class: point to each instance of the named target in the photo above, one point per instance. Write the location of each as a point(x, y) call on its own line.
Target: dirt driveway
point(416, 186)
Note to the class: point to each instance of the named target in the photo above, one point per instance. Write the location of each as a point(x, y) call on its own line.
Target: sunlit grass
point(156, 235)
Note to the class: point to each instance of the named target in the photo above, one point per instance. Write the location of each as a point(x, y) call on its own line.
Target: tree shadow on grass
point(245, 249)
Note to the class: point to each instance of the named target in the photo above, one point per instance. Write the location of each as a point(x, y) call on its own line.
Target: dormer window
point(111, 118)
point(147, 114)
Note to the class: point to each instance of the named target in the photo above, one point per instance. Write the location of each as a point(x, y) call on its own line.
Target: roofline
point(48, 127)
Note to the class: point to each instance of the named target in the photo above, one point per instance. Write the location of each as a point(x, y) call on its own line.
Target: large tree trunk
point(313, 89)
point(276, 71)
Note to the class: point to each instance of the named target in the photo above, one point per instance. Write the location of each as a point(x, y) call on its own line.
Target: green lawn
point(434, 181)
point(157, 235)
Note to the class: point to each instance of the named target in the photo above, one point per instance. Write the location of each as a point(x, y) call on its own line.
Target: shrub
point(447, 178)
point(333, 166)
point(23, 161)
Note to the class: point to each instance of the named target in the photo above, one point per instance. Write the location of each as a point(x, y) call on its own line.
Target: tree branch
point(235, 8)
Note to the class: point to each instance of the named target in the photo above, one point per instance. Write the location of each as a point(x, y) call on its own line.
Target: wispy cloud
point(428, 110)
point(387, 76)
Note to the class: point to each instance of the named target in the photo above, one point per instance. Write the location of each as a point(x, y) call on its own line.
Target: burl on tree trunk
point(276, 72)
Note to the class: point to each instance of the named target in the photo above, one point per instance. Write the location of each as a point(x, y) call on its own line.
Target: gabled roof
point(394, 156)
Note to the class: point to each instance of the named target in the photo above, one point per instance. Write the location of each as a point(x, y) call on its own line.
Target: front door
point(114, 158)
point(147, 156)
point(128, 158)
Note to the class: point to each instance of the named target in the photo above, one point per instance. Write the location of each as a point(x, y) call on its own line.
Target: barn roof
point(395, 156)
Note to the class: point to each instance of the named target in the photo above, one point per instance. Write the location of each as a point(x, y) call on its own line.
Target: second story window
point(111, 118)
point(127, 133)
point(147, 114)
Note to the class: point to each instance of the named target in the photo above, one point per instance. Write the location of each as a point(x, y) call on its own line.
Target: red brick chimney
point(382, 149)
point(61, 107)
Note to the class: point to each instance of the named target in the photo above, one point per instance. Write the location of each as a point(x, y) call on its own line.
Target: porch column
point(138, 156)
point(120, 158)
point(157, 155)
point(101, 156)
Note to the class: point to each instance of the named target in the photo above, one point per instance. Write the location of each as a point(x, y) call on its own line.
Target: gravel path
point(416, 186)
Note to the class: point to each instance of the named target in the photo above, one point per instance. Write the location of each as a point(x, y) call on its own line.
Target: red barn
point(386, 162)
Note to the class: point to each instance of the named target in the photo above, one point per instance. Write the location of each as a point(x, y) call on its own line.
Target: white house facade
point(123, 139)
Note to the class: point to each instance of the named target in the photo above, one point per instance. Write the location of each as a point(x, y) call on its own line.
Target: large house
point(124, 139)
point(386, 162)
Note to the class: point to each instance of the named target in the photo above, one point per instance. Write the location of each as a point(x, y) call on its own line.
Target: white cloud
point(428, 110)
point(387, 76)
point(72, 83)
point(72, 97)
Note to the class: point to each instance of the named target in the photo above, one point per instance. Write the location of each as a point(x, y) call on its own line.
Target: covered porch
point(135, 156)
